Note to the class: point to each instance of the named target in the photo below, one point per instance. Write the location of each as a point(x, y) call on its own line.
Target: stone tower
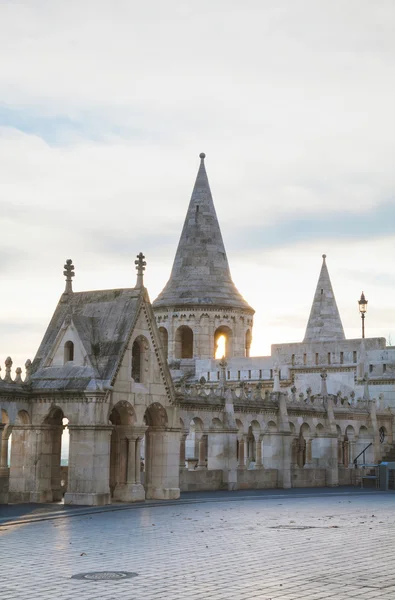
point(200, 302)
point(324, 322)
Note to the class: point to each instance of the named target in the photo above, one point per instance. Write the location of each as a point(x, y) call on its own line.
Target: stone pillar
point(182, 450)
point(258, 443)
point(89, 465)
point(162, 463)
point(351, 446)
point(346, 453)
point(340, 458)
point(131, 490)
point(4, 473)
point(332, 471)
point(284, 470)
point(202, 453)
point(309, 453)
point(241, 464)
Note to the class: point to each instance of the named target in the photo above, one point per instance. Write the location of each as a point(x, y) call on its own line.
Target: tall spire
point(324, 321)
point(200, 273)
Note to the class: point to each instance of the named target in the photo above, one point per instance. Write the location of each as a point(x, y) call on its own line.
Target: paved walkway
point(308, 544)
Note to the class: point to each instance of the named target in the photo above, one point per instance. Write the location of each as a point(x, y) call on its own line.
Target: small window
point(228, 374)
point(271, 373)
point(341, 358)
point(249, 374)
point(384, 368)
point(316, 358)
point(238, 374)
point(370, 368)
point(304, 359)
point(293, 360)
point(218, 375)
point(136, 361)
point(208, 376)
point(329, 358)
point(68, 351)
point(354, 356)
point(260, 373)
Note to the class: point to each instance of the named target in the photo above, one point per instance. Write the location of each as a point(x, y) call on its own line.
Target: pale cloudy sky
point(105, 106)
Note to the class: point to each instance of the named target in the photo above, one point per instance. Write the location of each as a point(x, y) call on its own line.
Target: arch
point(54, 417)
point(156, 415)
point(292, 427)
point(139, 359)
point(184, 342)
point(4, 417)
point(164, 338)
point(338, 431)
point(122, 414)
point(240, 426)
point(248, 340)
point(350, 432)
point(363, 432)
point(305, 429)
point(271, 427)
point(320, 429)
point(226, 335)
point(23, 418)
point(216, 423)
point(68, 351)
point(255, 427)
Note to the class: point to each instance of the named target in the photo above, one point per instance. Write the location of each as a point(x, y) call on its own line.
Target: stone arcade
point(150, 409)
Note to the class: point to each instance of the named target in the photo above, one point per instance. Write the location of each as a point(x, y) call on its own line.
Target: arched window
point(68, 352)
point(136, 361)
point(382, 435)
point(223, 342)
point(184, 342)
point(164, 338)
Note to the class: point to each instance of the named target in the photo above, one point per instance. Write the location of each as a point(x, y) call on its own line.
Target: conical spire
point(324, 321)
point(200, 273)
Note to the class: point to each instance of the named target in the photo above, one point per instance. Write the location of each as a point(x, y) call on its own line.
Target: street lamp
point(363, 307)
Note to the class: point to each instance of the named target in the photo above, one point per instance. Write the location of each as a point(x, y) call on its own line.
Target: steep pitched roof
point(200, 273)
point(324, 322)
point(104, 321)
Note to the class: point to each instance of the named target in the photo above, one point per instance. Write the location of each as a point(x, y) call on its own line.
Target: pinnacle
point(201, 273)
point(324, 322)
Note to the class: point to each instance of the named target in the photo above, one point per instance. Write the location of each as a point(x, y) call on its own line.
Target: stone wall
point(199, 481)
point(257, 479)
point(308, 477)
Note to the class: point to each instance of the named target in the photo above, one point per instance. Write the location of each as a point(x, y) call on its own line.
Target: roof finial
point(324, 257)
point(140, 268)
point(202, 155)
point(69, 274)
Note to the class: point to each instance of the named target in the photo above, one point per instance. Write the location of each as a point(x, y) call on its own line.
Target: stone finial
point(140, 268)
point(28, 367)
point(18, 375)
point(8, 365)
point(276, 383)
point(222, 365)
point(202, 155)
point(69, 274)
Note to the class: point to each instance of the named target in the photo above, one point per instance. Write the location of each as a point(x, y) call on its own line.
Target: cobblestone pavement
point(260, 547)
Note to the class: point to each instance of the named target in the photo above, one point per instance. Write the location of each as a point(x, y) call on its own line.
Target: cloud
point(106, 106)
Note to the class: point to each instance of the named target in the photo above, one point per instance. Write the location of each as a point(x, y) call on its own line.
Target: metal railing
point(360, 454)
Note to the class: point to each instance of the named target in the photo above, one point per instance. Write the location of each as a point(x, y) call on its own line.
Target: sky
point(105, 107)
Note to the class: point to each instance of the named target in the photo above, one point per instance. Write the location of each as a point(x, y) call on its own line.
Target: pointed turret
point(200, 274)
point(324, 321)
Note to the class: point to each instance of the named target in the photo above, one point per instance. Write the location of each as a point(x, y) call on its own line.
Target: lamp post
point(363, 307)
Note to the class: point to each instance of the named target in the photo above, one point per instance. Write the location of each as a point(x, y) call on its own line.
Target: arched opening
point(139, 359)
point(68, 351)
point(164, 338)
point(57, 443)
point(124, 451)
point(184, 342)
point(248, 341)
point(382, 435)
point(194, 436)
point(302, 453)
point(223, 342)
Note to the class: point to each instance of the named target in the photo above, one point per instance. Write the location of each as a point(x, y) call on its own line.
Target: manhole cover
point(104, 575)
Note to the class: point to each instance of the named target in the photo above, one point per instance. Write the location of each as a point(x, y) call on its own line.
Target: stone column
point(332, 471)
point(89, 465)
point(309, 453)
point(182, 450)
point(4, 479)
point(340, 458)
point(241, 464)
point(346, 453)
point(163, 465)
point(351, 446)
point(258, 443)
point(131, 490)
point(202, 453)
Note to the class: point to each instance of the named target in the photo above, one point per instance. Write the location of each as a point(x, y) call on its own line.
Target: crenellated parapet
point(16, 379)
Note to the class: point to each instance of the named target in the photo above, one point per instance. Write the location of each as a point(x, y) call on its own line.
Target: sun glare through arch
point(221, 347)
